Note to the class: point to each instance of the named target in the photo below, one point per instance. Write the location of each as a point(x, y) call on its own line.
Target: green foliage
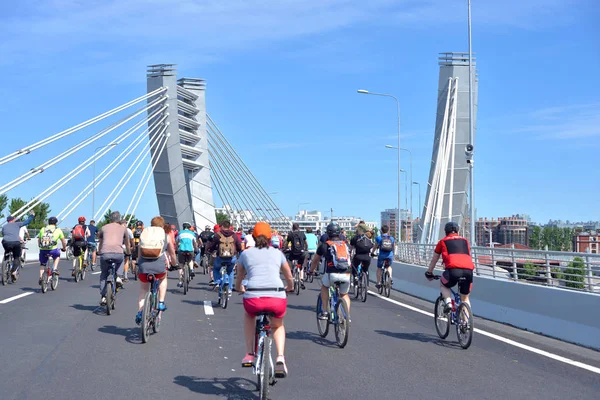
point(575, 274)
point(106, 218)
point(3, 204)
point(535, 237)
point(557, 239)
point(221, 217)
point(556, 273)
point(42, 212)
point(529, 271)
point(15, 204)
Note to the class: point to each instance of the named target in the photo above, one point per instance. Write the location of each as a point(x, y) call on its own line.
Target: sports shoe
point(179, 284)
point(192, 273)
point(280, 368)
point(40, 281)
point(302, 286)
point(323, 316)
point(378, 285)
point(103, 301)
point(138, 318)
point(161, 306)
point(447, 308)
point(119, 282)
point(248, 360)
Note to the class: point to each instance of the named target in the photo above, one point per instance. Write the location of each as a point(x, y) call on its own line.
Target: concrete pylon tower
point(446, 198)
point(183, 193)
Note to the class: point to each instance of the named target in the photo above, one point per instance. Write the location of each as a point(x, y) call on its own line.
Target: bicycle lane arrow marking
point(15, 297)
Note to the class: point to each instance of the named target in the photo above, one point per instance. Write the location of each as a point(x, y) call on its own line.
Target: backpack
point(48, 238)
point(137, 233)
point(226, 246)
point(297, 243)
point(78, 233)
point(152, 242)
point(275, 242)
point(339, 256)
point(387, 243)
point(363, 245)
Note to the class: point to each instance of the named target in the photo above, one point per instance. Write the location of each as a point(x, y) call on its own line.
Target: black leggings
point(365, 265)
point(16, 250)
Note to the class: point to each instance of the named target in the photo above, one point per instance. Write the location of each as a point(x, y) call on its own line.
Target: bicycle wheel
point(442, 321)
point(342, 323)
point(387, 284)
point(263, 373)
point(380, 289)
point(363, 282)
point(186, 279)
point(464, 325)
point(82, 273)
point(109, 297)
point(54, 281)
point(296, 281)
point(146, 317)
point(156, 315)
point(90, 263)
point(77, 268)
point(5, 272)
point(44, 282)
point(322, 324)
point(224, 296)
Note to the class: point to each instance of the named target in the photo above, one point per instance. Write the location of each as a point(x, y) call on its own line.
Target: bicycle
point(308, 277)
point(89, 258)
point(263, 366)
point(361, 284)
point(111, 288)
point(338, 316)
point(224, 285)
point(49, 277)
point(69, 252)
point(23, 255)
point(151, 315)
point(297, 280)
point(385, 286)
point(79, 271)
point(461, 316)
point(7, 266)
point(204, 264)
point(186, 271)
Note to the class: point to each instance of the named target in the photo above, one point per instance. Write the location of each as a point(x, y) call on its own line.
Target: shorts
point(144, 277)
point(333, 277)
point(275, 305)
point(46, 254)
point(454, 276)
point(380, 261)
point(91, 246)
point(298, 257)
point(185, 256)
point(78, 247)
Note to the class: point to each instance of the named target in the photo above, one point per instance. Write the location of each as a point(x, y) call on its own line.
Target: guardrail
point(575, 271)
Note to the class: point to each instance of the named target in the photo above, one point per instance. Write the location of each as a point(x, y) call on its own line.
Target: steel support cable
point(148, 178)
point(130, 172)
point(227, 188)
point(244, 168)
point(71, 175)
point(153, 157)
point(246, 200)
point(44, 166)
point(108, 170)
point(224, 191)
point(219, 146)
point(67, 132)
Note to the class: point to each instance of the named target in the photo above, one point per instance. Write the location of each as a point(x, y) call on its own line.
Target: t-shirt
point(249, 242)
point(112, 236)
point(22, 233)
point(186, 240)
point(455, 251)
point(292, 237)
point(10, 231)
point(207, 237)
point(57, 235)
point(263, 267)
point(385, 254)
point(130, 237)
point(93, 229)
point(312, 242)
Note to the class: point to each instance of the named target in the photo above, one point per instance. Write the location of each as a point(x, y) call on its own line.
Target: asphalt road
point(61, 345)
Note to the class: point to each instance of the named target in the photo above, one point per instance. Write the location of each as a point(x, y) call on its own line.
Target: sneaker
point(248, 360)
point(55, 272)
point(192, 274)
point(161, 306)
point(119, 282)
point(179, 284)
point(323, 316)
point(302, 286)
point(125, 280)
point(230, 292)
point(378, 285)
point(212, 282)
point(40, 282)
point(103, 301)
point(73, 273)
point(447, 308)
point(138, 318)
point(280, 368)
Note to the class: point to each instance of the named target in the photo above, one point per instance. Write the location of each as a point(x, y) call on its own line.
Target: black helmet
point(333, 230)
point(139, 223)
point(451, 227)
point(52, 221)
point(187, 225)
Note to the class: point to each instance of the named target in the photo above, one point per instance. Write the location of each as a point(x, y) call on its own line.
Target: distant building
point(314, 219)
point(587, 241)
point(389, 217)
point(504, 230)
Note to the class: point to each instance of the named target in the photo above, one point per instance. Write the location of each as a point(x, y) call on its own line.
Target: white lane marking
point(96, 273)
point(208, 310)
point(544, 353)
point(15, 297)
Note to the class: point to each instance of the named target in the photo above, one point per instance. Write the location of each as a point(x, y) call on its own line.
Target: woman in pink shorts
point(264, 291)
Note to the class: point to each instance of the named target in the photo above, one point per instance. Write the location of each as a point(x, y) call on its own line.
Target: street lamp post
point(411, 175)
point(471, 134)
point(362, 91)
point(94, 169)
point(408, 216)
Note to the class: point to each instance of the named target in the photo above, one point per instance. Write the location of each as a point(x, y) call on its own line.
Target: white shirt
point(129, 235)
point(249, 241)
point(22, 233)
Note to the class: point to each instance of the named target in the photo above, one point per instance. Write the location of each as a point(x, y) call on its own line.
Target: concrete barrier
point(33, 251)
point(560, 313)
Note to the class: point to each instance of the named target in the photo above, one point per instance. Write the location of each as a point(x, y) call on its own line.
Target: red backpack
point(78, 233)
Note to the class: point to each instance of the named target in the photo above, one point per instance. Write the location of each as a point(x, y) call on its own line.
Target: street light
point(94, 184)
point(471, 135)
point(411, 171)
point(408, 216)
point(363, 91)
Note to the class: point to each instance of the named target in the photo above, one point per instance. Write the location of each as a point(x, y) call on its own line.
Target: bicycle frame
point(263, 330)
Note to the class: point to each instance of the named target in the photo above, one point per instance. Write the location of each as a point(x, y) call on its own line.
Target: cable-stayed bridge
point(165, 134)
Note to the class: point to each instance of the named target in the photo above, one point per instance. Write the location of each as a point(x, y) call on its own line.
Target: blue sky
point(282, 75)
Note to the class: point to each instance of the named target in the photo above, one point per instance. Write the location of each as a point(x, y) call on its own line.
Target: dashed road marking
point(15, 297)
point(208, 310)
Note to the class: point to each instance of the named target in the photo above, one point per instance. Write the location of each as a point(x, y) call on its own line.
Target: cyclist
point(455, 251)
point(137, 232)
point(154, 265)
point(312, 243)
point(90, 234)
point(264, 292)
point(206, 237)
point(12, 242)
point(297, 240)
point(385, 244)
point(23, 237)
point(127, 255)
point(78, 242)
point(48, 239)
point(112, 237)
point(187, 244)
point(276, 240)
point(227, 246)
point(337, 260)
point(362, 245)
point(249, 241)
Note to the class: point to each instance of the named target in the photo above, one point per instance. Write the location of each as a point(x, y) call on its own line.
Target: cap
point(10, 218)
point(262, 229)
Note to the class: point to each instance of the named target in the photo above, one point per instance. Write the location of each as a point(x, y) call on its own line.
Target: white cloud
point(565, 122)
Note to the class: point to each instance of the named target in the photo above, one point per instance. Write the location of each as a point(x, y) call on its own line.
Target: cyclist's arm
point(433, 263)
point(171, 252)
point(64, 241)
point(316, 260)
point(100, 236)
point(287, 274)
point(241, 274)
point(126, 240)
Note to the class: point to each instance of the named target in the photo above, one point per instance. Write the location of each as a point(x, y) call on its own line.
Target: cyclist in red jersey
point(456, 256)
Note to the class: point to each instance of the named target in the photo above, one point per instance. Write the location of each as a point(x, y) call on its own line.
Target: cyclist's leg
point(464, 287)
point(16, 252)
point(216, 270)
point(85, 253)
point(447, 281)
point(144, 288)
point(344, 288)
point(125, 266)
point(325, 292)
point(104, 266)
point(379, 269)
point(94, 254)
point(119, 261)
point(162, 289)
point(181, 258)
point(44, 255)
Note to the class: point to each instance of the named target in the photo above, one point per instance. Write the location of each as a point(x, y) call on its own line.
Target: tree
point(535, 239)
point(42, 210)
point(221, 217)
point(3, 204)
point(106, 218)
point(574, 274)
point(15, 204)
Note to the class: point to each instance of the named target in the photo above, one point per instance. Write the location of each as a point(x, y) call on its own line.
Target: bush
point(557, 273)
point(575, 274)
point(528, 271)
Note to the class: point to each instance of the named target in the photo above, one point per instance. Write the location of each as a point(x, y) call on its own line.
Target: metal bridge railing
point(575, 271)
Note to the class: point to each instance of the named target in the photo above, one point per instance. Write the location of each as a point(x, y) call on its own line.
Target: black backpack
point(363, 245)
point(297, 243)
